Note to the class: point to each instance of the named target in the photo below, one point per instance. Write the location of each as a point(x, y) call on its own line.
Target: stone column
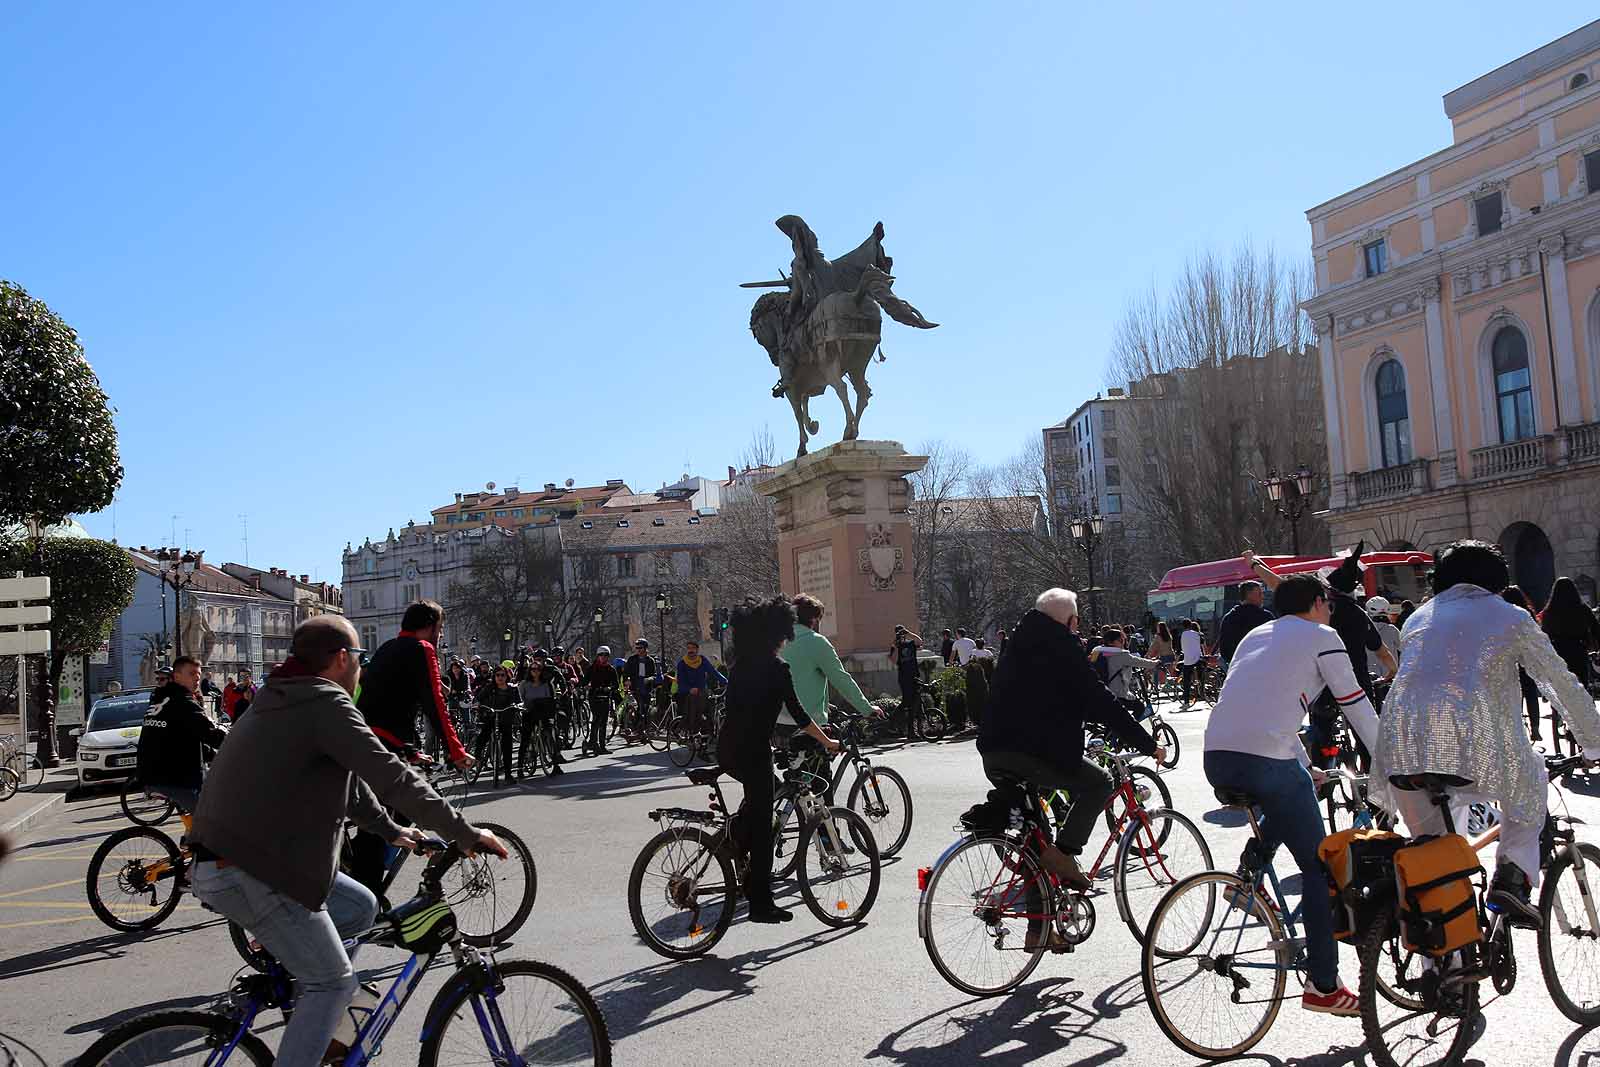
point(1568, 410)
point(844, 536)
point(1332, 414)
point(1439, 385)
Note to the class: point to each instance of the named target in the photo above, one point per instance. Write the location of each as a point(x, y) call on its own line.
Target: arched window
point(1394, 421)
point(1578, 81)
point(1513, 386)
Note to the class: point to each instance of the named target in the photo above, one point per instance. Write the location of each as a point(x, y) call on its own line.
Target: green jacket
point(814, 664)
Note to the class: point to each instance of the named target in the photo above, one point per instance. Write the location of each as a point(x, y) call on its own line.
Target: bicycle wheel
point(883, 799)
point(1423, 1026)
point(145, 809)
point(492, 897)
point(1569, 944)
point(249, 949)
point(1152, 857)
point(682, 892)
point(1214, 972)
point(133, 878)
point(933, 723)
point(544, 1014)
point(8, 783)
point(681, 744)
point(655, 731)
point(1151, 790)
point(985, 902)
point(785, 835)
point(27, 768)
point(174, 1037)
point(1167, 738)
point(839, 878)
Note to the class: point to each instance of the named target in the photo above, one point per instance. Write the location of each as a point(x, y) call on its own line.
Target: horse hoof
point(812, 427)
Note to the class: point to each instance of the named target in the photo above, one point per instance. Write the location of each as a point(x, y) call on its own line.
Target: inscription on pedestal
point(813, 573)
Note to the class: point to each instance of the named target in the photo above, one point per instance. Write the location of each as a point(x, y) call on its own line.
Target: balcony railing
point(1582, 442)
point(1515, 457)
point(1386, 482)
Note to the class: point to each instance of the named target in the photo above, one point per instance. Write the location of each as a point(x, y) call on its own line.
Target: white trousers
point(1518, 844)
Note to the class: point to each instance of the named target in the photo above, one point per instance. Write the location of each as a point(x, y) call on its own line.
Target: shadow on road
point(1035, 1022)
point(1570, 1055)
point(1225, 817)
point(90, 950)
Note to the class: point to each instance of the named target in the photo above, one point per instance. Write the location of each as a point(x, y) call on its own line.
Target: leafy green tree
point(58, 444)
point(91, 584)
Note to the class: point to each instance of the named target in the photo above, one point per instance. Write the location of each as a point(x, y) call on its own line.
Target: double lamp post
point(1087, 532)
point(176, 569)
point(1291, 497)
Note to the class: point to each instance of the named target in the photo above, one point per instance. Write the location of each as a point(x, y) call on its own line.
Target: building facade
point(1458, 304)
point(513, 508)
point(1084, 458)
point(309, 598)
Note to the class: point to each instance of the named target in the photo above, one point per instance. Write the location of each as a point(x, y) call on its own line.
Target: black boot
point(1511, 894)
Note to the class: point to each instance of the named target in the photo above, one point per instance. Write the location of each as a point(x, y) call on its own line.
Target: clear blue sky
point(333, 263)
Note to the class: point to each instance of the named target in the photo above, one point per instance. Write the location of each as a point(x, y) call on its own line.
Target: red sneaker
point(1340, 1002)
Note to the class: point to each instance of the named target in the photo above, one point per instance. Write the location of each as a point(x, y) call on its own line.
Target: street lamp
point(599, 621)
point(176, 569)
point(505, 642)
point(1087, 532)
point(663, 605)
point(1291, 497)
point(549, 629)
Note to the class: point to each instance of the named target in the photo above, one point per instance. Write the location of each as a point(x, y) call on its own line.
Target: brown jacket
point(294, 768)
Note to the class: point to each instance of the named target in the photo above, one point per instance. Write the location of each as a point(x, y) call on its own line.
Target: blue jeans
point(1289, 816)
point(309, 944)
point(184, 798)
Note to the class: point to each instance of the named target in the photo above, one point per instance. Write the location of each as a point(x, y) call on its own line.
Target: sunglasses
point(355, 650)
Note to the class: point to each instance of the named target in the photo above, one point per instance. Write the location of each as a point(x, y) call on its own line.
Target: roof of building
point(514, 497)
point(1524, 68)
point(645, 502)
point(205, 579)
point(665, 529)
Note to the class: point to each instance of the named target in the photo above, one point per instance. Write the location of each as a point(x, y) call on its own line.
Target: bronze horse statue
point(827, 327)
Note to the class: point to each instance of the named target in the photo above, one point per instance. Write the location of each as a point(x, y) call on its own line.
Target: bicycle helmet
point(559, 651)
point(509, 664)
point(603, 650)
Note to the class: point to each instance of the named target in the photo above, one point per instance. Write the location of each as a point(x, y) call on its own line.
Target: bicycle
point(25, 766)
point(691, 905)
point(132, 869)
point(143, 807)
point(525, 1011)
point(1143, 690)
point(879, 795)
point(994, 875)
point(1439, 997)
point(478, 889)
point(683, 746)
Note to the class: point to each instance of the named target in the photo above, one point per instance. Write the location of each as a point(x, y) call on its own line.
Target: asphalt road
point(767, 995)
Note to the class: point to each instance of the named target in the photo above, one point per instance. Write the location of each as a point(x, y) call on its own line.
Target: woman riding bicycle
point(499, 703)
point(538, 692)
point(760, 690)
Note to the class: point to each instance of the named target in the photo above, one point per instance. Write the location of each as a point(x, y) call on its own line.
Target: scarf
point(692, 662)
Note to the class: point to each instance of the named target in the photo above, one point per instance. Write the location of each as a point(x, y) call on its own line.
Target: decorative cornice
point(1509, 265)
point(1396, 305)
point(1553, 245)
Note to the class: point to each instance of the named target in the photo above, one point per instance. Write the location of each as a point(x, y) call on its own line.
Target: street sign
point(25, 616)
point(25, 643)
point(25, 588)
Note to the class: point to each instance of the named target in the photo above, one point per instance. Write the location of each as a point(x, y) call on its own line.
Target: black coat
point(1240, 620)
point(174, 737)
point(1044, 691)
point(759, 690)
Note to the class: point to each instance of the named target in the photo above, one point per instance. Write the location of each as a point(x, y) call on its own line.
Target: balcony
point(1387, 483)
point(1513, 458)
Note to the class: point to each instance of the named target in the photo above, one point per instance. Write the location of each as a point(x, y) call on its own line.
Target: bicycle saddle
point(1236, 798)
point(1428, 783)
point(703, 775)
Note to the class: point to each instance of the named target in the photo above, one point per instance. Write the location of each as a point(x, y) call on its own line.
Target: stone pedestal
point(844, 536)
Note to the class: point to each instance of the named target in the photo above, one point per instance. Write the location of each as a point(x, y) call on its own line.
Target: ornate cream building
point(1458, 305)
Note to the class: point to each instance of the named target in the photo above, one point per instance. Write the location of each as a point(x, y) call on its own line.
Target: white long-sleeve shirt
point(1275, 674)
point(1190, 644)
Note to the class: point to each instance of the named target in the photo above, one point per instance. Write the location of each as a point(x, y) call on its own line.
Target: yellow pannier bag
point(1360, 875)
point(1438, 909)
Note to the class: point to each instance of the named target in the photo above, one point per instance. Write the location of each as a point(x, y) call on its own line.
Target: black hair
point(758, 629)
point(1513, 594)
point(1296, 593)
point(1111, 635)
point(421, 615)
point(1564, 614)
point(1473, 562)
point(184, 660)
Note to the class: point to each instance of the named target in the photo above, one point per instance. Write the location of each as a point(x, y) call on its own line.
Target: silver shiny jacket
point(1456, 703)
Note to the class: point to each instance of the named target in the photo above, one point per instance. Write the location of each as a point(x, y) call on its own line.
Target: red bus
point(1205, 591)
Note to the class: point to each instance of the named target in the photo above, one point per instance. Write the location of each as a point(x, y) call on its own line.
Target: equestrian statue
point(828, 325)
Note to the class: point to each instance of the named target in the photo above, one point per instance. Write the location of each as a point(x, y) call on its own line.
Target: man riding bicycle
point(640, 672)
point(1455, 708)
point(1252, 746)
point(695, 674)
point(175, 736)
point(268, 828)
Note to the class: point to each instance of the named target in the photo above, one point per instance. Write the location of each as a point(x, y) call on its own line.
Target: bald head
point(1060, 604)
point(319, 640)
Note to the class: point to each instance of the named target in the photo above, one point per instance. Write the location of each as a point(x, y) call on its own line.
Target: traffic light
point(720, 617)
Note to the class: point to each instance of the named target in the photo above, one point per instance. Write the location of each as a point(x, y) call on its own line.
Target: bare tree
point(1231, 390)
point(744, 557)
point(515, 583)
point(942, 479)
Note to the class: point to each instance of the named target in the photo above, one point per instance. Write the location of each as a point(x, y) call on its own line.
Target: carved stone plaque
point(813, 569)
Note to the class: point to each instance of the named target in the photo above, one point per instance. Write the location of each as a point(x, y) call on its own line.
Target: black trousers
point(1530, 699)
point(501, 725)
point(1188, 670)
point(752, 823)
point(911, 704)
point(599, 719)
point(541, 715)
point(1088, 783)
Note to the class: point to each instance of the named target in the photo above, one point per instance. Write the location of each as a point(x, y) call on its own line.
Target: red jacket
point(232, 694)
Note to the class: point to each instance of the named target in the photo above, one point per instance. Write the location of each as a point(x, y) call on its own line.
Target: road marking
point(40, 904)
point(62, 856)
point(39, 888)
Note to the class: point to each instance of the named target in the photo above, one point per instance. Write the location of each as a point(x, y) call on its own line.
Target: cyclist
point(174, 737)
point(1044, 689)
point(267, 830)
point(640, 671)
point(538, 692)
point(1252, 745)
point(602, 681)
point(695, 675)
point(1113, 662)
point(1455, 708)
point(815, 665)
point(1243, 617)
point(500, 720)
point(760, 691)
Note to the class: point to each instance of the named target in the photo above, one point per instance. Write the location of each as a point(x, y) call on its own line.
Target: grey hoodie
point(295, 765)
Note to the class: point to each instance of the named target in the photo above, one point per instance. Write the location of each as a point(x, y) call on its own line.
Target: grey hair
point(1060, 604)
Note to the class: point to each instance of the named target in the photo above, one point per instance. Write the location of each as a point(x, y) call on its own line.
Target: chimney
point(305, 579)
point(732, 474)
point(1114, 391)
point(512, 490)
point(255, 580)
point(549, 487)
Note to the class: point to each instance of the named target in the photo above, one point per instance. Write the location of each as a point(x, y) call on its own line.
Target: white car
point(108, 747)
